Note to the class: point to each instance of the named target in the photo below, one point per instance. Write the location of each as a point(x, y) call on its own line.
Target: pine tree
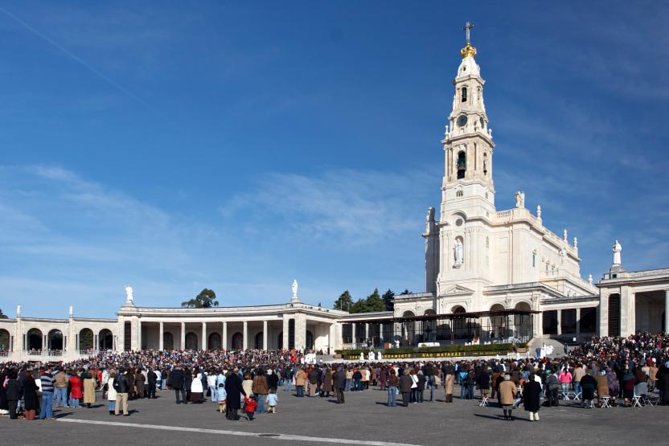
point(389, 300)
point(374, 302)
point(344, 303)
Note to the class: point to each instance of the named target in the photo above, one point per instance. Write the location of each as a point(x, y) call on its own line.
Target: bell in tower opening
point(462, 165)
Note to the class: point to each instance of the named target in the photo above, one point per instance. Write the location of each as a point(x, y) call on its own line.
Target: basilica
point(491, 276)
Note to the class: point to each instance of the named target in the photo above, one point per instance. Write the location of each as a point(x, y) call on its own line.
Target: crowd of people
point(601, 372)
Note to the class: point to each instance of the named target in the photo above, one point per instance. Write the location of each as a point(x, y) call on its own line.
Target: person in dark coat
point(14, 393)
point(339, 380)
point(272, 380)
point(483, 381)
point(405, 387)
point(152, 379)
point(234, 389)
point(30, 399)
point(532, 397)
point(3, 391)
point(177, 381)
point(588, 386)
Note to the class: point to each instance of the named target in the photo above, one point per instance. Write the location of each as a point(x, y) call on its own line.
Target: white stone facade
point(269, 327)
point(476, 257)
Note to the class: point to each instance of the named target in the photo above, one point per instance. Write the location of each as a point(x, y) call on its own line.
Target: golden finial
point(468, 50)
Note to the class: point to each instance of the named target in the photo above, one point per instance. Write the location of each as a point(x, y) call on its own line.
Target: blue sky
point(239, 145)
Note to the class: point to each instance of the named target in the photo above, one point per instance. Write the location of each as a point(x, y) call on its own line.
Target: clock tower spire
point(468, 144)
point(458, 244)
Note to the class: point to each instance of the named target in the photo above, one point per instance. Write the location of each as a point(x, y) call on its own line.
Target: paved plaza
point(363, 420)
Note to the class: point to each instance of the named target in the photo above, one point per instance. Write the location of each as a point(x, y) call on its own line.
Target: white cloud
point(354, 207)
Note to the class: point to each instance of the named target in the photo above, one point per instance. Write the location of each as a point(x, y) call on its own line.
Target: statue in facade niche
point(458, 253)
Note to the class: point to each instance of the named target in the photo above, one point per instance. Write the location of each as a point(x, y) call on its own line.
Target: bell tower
point(460, 259)
point(468, 147)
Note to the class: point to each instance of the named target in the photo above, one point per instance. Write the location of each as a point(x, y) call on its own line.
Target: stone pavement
point(363, 420)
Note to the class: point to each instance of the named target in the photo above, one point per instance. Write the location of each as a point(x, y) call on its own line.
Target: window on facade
point(459, 193)
point(464, 94)
point(534, 260)
point(462, 164)
point(485, 164)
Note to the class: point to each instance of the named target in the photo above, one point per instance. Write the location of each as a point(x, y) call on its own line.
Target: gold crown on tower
point(468, 50)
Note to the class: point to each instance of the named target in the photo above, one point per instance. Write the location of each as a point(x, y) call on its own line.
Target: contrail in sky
point(75, 58)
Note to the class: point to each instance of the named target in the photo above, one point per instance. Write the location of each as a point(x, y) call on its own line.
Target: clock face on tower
point(462, 120)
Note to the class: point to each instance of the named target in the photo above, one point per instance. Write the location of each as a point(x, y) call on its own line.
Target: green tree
point(374, 302)
point(206, 299)
point(344, 303)
point(3, 315)
point(389, 300)
point(360, 306)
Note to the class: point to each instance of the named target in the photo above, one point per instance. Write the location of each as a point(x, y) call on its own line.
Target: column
point(631, 327)
point(353, 334)
point(559, 321)
point(161, 346)
point(332, 335)
point(578, 322)
point(366, 331)
point(284, 341)
point(537, 325)
point(204, 336)
point(603, 313)
point(120, 341)
point(139, 334)
point(245, 335)
point(303, 331)
point(381, 340)
point(666, 311)
point(625, 311)
point(182, 334)
point(225, 335)
point(264, 335)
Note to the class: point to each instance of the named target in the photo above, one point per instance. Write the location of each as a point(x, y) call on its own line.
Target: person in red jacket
point(75, 390)
point(250, 406)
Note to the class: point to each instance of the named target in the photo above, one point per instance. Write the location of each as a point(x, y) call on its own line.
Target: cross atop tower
point(468, 28)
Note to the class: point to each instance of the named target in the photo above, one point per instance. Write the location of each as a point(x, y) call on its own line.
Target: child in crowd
point(272, 400)
point(222, 397)
point(250, 405)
